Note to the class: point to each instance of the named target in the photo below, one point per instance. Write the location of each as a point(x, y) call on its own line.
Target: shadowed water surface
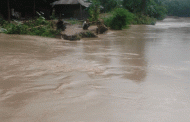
point(135, 75)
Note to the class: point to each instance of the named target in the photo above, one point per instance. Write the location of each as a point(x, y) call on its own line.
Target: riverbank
point(42, 27)
point(72, 29)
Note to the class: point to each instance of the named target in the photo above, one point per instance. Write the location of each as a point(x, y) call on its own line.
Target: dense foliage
point(145, 11)
point(39, 27)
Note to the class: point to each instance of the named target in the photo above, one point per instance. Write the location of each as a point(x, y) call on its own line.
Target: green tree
point(108, 5)
point(94, 10)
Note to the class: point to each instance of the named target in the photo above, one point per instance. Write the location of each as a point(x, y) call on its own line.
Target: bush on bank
point(120, 19)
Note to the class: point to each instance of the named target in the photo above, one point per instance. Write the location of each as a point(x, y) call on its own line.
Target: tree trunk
point(34, 9)
point(9, 12)
point(143, 6)
point(81, 12)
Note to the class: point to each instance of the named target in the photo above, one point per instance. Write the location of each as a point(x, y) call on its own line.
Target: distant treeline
point(179, 8)
point(153, 8)
point(150, 8)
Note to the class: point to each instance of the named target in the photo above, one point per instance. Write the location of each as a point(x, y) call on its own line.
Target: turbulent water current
point(141, 74)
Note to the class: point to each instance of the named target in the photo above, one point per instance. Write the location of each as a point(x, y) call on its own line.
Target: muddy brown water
point(137, 75)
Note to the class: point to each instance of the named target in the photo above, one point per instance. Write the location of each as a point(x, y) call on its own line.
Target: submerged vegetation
point(143, 19)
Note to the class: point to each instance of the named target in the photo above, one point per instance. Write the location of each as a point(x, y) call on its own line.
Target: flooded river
point(137, 75)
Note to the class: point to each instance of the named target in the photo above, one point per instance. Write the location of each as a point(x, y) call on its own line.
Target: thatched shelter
point(71, 8)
